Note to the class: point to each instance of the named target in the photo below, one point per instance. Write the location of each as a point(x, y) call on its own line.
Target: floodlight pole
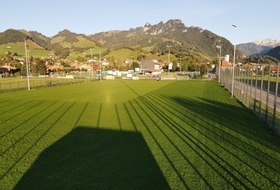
point(180, 64)
point(100, 66)
point(91, 61)
point(168, 59)
point(232, 86)
point(26, 60)
point(91, 54)
point(220, 62)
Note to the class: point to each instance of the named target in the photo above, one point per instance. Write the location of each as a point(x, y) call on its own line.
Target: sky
point(255, 19)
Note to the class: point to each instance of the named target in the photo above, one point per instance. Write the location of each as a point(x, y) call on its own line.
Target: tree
point(41, 67)
point(174, 66)
point(203, 69)
point(34, 69)
point(23, 70)
point(135, 65)
point(192, 66)
point(122, 66)
point(141, 57)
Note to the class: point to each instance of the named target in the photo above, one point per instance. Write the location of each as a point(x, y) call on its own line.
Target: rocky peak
point(148, 25)
point(161, 27)
point(65, 31)
point(173, 22)
point(268, 42)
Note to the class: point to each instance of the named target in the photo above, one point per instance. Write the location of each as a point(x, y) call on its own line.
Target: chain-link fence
point(14, 84)
point(257, 87)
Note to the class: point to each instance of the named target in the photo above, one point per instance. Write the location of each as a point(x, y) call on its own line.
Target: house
point(225, 64)
point(3, 70)
point(150, 66)
point(253, 66)
point(274, 69)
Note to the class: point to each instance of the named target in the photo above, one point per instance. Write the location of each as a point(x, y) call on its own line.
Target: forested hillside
point(275, 52)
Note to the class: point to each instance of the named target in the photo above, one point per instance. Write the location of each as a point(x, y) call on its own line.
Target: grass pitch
point(134, 135)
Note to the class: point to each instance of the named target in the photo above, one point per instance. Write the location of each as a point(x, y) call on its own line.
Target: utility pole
point(168, 59)
point(100, 65)
point(220, 62)
point(27, 67)
point(232, 86)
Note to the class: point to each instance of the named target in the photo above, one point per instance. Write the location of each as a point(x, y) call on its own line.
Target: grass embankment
point(134, 135)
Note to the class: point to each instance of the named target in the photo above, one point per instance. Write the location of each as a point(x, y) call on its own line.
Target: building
point(150, 66)
point(225, 64)
point(3, 70)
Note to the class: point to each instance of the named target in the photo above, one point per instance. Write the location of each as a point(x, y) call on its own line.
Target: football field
point(134, 135)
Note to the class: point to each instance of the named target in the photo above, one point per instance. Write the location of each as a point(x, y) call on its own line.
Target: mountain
point(252, 48)
point(12, 36)
point(72, 40)
point(258, 47)
point(268, 42)
point(149, 38)
point(156, 38)
point(275, 52)
point(62, 44)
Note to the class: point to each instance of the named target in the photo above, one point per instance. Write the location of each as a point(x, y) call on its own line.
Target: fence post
point(268, 93)
point(260, 106)
point(251, 87)
point(242, 84)
point(256, 86)
point(247, 86)
point(275, 97)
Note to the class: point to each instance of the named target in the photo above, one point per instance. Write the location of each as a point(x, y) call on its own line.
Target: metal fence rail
point(39, 83)
point(258, 91)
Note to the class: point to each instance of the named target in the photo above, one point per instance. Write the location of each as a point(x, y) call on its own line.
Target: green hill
point(64, 44)
point(18, 49)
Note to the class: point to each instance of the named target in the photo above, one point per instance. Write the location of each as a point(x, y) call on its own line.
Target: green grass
point(134, 135)
point(123, 54)
point(35, 50)
point(14, 84)
point(82, 42)
point(87, 53)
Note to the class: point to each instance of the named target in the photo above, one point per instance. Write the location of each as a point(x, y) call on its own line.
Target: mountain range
point(147, 39)
point(174, 33)
point(260, 47)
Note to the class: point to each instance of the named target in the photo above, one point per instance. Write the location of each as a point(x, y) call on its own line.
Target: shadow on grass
point(248, 133)
point(238, 119)
point(90, 158)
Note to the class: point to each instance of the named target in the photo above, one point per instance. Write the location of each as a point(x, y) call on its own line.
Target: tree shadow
point(91, 158)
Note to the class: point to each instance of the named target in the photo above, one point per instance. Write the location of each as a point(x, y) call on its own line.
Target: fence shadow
point(91, 158)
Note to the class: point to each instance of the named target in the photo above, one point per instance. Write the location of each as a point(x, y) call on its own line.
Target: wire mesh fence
point(22, 84)
point(257, 88)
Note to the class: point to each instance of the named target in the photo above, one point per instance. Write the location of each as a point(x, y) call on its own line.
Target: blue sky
point(256, 20)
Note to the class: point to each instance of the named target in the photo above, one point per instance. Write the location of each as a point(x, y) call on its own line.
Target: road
point(260, 95)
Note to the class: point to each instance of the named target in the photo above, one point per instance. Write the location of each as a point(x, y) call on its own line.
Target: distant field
point(35, 50)
point(134, 135)
point(123, 54)
point(88, 53)
point(126, 54)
